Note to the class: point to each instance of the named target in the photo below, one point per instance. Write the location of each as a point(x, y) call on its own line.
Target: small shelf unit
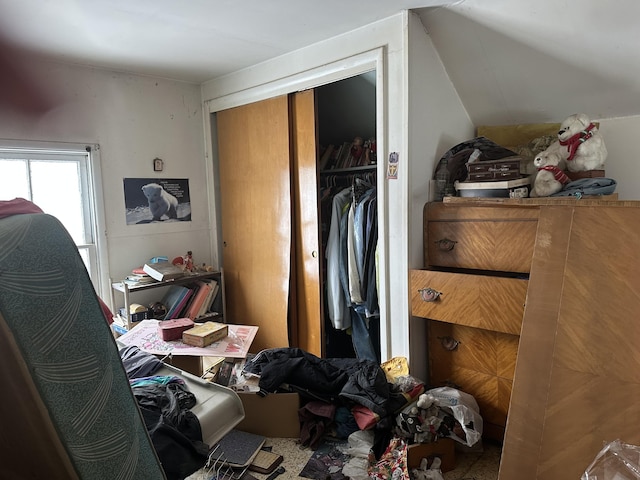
point(128, 290)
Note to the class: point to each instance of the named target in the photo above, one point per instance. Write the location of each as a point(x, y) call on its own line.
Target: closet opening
point(273, 176)
point(347, 166)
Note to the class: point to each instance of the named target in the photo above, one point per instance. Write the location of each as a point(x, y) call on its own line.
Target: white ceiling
point(511, 61)
point(524, 61)
point(190, 40)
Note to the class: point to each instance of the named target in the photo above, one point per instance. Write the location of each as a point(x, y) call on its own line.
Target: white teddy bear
point(550, 178)
point(584, 146)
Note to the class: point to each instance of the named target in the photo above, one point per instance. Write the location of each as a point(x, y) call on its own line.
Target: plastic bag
point(428, 473)
point(616, 461)
point(360, 450)
point(464, 409)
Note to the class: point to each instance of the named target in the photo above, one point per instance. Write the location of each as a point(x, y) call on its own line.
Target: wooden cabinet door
point(577, 380)
point(255, 196)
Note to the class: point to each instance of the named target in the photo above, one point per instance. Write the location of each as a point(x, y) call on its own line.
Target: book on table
point(163, 271)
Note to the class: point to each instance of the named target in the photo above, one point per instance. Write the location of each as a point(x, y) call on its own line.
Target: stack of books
point(191, 301)
point(138, 277)
point(163, 271)
point(207, 291)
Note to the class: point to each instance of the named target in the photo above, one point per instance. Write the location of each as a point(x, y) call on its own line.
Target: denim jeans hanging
point(366, 342)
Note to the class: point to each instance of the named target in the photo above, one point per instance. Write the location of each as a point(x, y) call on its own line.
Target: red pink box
point(172, 329)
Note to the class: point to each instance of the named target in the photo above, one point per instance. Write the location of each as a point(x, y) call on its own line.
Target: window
point(61, 179)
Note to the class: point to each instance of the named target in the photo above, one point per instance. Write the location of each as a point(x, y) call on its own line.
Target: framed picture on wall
point(152, 200)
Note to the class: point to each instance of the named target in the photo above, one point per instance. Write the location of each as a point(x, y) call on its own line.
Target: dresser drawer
point(480, 301)
point(479, 238)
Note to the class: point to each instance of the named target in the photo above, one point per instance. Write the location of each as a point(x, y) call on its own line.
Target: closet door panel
point(255, 194)
point(308, 304)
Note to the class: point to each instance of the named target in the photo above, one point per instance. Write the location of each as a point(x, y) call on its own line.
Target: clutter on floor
point(357, 418)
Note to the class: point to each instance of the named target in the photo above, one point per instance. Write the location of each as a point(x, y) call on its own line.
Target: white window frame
point(91, 192)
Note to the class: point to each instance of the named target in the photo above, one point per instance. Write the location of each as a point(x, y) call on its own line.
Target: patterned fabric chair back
point(61, 368)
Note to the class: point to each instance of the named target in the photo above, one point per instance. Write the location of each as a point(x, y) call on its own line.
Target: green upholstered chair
point(66, 407)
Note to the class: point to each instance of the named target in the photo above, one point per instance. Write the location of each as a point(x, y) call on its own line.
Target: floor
point(469, 466)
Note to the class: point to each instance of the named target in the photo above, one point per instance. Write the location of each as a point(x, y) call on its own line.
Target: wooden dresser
point(544, 302)
point(478, 259)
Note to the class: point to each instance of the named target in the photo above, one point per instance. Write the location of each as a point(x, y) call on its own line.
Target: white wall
point(620, 135)
point(437, 120)
point(134, 119)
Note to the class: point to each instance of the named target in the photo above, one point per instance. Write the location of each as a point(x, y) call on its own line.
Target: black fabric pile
point(165, 403)
point(343, 381)
point(175, 431)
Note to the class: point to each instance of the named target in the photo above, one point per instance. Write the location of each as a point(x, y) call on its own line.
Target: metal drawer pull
point(445, 244)
point(449, 343)
point(429, 294)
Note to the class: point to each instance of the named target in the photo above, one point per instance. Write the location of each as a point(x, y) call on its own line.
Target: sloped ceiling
point(515, 61)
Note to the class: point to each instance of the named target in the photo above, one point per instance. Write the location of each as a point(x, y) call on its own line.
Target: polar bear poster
point(161, 202)
point(156, 200)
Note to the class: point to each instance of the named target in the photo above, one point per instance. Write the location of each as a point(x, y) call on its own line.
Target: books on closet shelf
point(344, 157)
point(163, 271)
point(326, 156)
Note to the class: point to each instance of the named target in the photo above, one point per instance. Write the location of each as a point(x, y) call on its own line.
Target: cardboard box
point(443, 448)
point(275, 415)
point(573, 176)
point(188, 363)
point(205, 334)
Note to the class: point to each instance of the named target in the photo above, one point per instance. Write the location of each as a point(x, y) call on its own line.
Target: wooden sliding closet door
point(255, 195)
point(308, 282)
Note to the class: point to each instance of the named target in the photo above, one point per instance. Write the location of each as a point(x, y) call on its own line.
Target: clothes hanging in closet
point(351, 274)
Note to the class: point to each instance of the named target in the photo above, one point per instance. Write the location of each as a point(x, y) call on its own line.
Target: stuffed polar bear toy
point(550, 178)
point(584, 146)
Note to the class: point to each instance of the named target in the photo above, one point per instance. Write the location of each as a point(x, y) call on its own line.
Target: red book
point(198, 300)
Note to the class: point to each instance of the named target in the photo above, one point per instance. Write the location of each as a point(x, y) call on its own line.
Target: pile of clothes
point(165, 403)
point(340, 395)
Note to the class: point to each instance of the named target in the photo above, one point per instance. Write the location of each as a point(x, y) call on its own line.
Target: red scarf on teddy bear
point(572, 143)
